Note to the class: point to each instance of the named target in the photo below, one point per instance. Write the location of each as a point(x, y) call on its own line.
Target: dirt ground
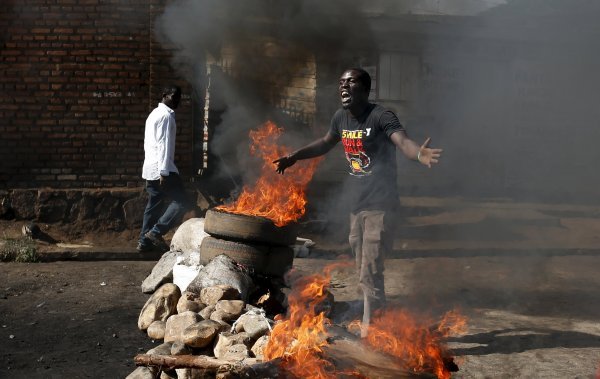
point(533, 309)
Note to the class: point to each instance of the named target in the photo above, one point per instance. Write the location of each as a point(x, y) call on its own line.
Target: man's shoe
point(157, 241)
point(141, 248)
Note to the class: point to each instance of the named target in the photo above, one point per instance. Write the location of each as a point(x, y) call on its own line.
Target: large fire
point(413, 340)
point(300, 339)
point(279, 198)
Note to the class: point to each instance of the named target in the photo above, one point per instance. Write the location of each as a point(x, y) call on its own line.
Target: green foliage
point(18, 250)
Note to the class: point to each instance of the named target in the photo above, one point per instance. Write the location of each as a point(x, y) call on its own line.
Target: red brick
point(57, 56)
point(63, 30)
point(54, 53)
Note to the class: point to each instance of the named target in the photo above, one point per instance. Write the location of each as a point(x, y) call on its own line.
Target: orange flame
point(279, 198)
point(300, 338)
point(412, 339)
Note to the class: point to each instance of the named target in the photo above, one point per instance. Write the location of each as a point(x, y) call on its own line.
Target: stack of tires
point(254, 242)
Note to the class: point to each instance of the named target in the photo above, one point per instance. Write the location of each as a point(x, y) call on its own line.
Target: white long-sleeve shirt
point(159, 143)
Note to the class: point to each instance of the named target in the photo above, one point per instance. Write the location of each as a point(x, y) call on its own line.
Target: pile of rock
point(185, 260)
point(219, 313)
point(212, 322)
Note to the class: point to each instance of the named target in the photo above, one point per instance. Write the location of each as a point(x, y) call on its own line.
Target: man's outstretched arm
point(424, 154)
point(314, 149)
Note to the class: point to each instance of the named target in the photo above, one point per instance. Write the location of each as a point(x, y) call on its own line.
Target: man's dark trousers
point(154, 220)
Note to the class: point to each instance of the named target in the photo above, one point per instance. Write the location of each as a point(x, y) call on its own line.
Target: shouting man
point(161, 174)
point(370, 135)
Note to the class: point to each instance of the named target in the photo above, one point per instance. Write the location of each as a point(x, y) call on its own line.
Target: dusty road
point(526, 276)
point(71, 319)
point(530, 315)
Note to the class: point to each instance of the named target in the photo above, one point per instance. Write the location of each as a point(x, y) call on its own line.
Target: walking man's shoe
point(147, 248)
point(157, 241)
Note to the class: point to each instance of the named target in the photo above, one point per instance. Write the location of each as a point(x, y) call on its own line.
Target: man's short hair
point(170, 89)
point(363, 77)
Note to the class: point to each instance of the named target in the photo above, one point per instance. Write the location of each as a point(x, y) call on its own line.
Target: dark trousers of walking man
point(156, 223)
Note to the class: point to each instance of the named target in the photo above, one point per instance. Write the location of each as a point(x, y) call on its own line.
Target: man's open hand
point(283, 163)
point(428, 156)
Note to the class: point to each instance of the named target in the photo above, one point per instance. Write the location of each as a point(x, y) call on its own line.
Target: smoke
point(506, 88)
point(510, 95)
point(261, 46)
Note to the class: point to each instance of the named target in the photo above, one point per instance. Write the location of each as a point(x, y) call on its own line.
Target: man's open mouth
point(346, 97)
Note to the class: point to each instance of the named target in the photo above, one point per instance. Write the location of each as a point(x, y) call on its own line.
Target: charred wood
point(266, 370)
point(183, 361)
point(224, 369)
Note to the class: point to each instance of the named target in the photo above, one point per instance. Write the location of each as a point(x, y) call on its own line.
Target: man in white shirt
point(161, 174)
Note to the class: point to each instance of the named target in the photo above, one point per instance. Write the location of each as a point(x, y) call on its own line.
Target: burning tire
point(238, 227)
point(271, 261)
point(253, 256)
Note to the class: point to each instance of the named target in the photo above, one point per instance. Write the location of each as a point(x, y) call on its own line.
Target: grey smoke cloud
point(510, 94)
point(267, 43)
point(508, 89)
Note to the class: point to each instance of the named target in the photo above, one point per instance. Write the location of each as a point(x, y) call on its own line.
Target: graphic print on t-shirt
point(352, 141)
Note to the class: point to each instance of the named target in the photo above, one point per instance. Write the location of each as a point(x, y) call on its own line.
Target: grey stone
point(218, 316)
point(231, 309)
point(106, 204)
point(190, 301)
point(82, 209)
point(179, 348)
point(23, 203)
point(161, 305)
point(133, 212)
point(99, 209)
point(201, 334)
point(194, 373)
point(143, 373)
point(162, 272)
point(212, 295)
point(222, 270)
point(176, 325)
point(189, 236)
point(259, 347)
point(162, 349)
point(236, 352)
point(224, 340)
point(206, 312)
point(52, 206)
point(156, 330)
point(255, 325)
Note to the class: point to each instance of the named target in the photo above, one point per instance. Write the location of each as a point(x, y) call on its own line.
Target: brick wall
point(77, 80)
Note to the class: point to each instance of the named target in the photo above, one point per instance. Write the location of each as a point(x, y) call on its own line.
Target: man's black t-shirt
point(371, 155)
